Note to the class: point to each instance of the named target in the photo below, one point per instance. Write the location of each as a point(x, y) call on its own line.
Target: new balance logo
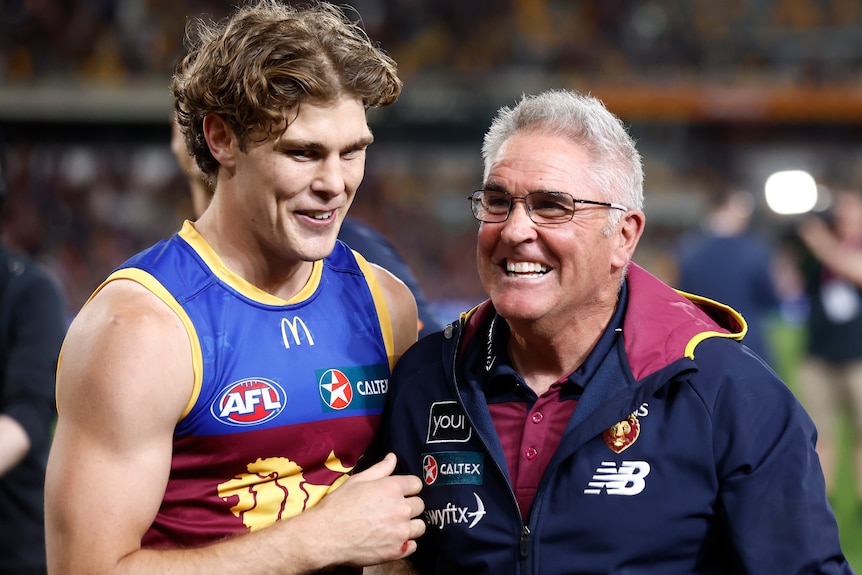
point(627, 480)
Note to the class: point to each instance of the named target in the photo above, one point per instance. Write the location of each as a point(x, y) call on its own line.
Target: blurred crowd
point(84, 206)
point(807, 40)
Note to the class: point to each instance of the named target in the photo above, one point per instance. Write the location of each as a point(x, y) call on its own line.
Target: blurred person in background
point(727, 263)
point(32, 327)
point(830, 378)
point(841, 257)
point(218, 388)
point(373, 245)
point(200, 188)
point(377, 249)
point(588, 418)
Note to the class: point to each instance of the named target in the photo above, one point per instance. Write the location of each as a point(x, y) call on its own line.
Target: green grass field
point(788, 342)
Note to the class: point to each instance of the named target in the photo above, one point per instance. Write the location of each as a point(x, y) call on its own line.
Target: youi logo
point(249, 402)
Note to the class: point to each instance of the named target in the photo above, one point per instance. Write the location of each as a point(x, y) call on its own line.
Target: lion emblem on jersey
point(622, 434)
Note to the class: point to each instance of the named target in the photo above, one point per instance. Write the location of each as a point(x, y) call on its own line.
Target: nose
point(514, 203)
point(329, 176)
point(518, 227)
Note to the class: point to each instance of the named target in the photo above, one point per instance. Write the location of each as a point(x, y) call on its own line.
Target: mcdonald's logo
point(291, 326)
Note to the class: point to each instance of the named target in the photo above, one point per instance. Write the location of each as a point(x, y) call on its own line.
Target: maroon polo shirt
point(529, 426)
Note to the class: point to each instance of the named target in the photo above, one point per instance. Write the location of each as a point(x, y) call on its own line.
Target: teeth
point(525, 268)
point(320, 215)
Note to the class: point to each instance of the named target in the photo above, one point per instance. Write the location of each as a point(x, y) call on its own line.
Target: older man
point(588, 418)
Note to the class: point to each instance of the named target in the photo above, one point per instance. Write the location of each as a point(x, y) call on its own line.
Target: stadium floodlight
point(791, 192)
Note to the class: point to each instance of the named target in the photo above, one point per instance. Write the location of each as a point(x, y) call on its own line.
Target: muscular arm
point(125, 378)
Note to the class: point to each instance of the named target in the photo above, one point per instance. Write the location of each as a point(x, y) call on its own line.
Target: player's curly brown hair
point(254, 67)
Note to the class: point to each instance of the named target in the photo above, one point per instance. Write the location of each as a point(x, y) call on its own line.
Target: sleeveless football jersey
point(287, 394)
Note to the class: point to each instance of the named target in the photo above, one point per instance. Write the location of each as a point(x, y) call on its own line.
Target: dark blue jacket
point(671, 464)
point(32, 328)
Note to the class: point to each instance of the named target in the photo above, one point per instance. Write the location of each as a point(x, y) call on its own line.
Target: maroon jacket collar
point(661, 324)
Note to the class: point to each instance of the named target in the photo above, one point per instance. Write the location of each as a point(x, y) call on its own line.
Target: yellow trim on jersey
point(215, 263)
point(153, 285)
point(380, 303)
point(693, 342)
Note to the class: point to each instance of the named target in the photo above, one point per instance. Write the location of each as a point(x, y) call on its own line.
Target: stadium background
point(716, 93)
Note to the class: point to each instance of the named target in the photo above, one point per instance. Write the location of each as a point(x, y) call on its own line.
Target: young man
point(588, 418)
point(216, 391)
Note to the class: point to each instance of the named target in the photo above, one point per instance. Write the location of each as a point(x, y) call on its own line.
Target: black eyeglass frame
point(475, 205)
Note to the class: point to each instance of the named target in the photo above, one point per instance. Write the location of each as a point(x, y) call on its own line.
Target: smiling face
point(562, 272)
point(289, 197)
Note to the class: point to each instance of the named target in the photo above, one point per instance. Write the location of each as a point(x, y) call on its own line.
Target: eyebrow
point(494, 187)
point(497, 187)
point(301, 144)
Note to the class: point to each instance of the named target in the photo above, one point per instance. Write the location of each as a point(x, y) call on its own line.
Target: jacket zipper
point(524, 538)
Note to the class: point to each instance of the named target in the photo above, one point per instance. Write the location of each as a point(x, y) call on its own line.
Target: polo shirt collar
point(496, 362)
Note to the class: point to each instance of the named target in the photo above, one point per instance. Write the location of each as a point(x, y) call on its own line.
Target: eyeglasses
point(493, 207)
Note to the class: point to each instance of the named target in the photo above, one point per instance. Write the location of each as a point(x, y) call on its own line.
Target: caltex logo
point(453, 468)
point(429, 464)
point(335, 389)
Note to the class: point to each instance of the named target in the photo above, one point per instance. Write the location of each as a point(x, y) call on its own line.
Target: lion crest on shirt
point(622, 434)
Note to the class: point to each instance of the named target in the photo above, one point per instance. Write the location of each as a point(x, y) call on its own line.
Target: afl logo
point(249, 402)
point(429, 465)
point(335, 389)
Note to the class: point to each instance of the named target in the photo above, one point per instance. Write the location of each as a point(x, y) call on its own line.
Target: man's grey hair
point(616, 171)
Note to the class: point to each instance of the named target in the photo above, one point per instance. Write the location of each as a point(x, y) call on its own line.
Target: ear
point(628, 233)
point(221, 140)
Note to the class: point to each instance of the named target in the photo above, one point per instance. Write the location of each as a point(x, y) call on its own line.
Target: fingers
point(411, 485)
point(417, 529)
point(416, 526)
point(417, 506)
point(386, 513)
point(379, 470)
point(409, 546)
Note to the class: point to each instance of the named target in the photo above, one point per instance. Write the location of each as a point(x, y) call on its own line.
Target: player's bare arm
point(126, 366)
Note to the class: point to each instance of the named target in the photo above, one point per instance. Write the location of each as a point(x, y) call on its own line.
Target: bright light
point(791, 192)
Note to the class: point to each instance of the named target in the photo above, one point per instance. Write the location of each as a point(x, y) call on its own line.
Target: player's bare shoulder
point(126, 329)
